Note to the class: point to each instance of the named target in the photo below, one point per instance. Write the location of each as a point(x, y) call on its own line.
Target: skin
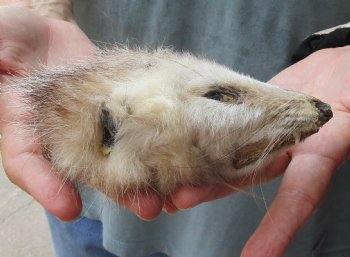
point(324, 75)
point(25, 40)
point(309, 167)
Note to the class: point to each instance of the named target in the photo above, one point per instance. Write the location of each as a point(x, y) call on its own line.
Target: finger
point(37, 179)
point(186, 197)
point(147, 205)
point(304, 184)
point(169, 207)
point(26, 168)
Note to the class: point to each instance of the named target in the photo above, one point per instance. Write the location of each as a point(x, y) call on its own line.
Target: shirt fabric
point(253, 37)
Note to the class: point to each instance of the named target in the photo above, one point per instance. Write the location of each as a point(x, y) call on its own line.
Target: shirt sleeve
point(338, 36)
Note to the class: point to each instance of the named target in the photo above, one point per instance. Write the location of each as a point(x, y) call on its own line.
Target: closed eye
point(109, 131)
point(224, 95)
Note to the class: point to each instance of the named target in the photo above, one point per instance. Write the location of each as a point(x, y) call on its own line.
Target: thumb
point(306, 180)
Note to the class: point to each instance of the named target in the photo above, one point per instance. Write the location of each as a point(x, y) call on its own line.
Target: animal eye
point(222, 96)
point(109, 131)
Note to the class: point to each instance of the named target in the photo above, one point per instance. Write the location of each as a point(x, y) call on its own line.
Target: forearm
point(59, 9)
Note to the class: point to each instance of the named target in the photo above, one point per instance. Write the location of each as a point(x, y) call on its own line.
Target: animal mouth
point(251, 153)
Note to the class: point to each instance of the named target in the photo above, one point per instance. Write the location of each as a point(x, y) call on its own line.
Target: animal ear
point(109, 130)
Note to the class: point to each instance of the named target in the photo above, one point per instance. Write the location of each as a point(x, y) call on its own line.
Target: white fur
point(169, 133)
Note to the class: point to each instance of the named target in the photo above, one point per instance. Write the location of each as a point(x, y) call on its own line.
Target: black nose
point(325, 111)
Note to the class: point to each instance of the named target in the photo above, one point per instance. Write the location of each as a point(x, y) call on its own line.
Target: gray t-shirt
point(254, 37)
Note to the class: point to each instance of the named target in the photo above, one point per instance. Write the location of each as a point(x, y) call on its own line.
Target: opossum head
point(133, 119)
point(248, 121)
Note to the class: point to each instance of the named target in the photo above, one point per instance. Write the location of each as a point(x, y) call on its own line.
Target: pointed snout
point(325, 111)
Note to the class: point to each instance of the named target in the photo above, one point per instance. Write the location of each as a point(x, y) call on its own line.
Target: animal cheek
point(157, 108)
point(249, 153)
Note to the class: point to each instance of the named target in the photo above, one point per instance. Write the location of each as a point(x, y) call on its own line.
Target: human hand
point(26, 40)
point(325, 75)
point(308, 167)
point(63, 41)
